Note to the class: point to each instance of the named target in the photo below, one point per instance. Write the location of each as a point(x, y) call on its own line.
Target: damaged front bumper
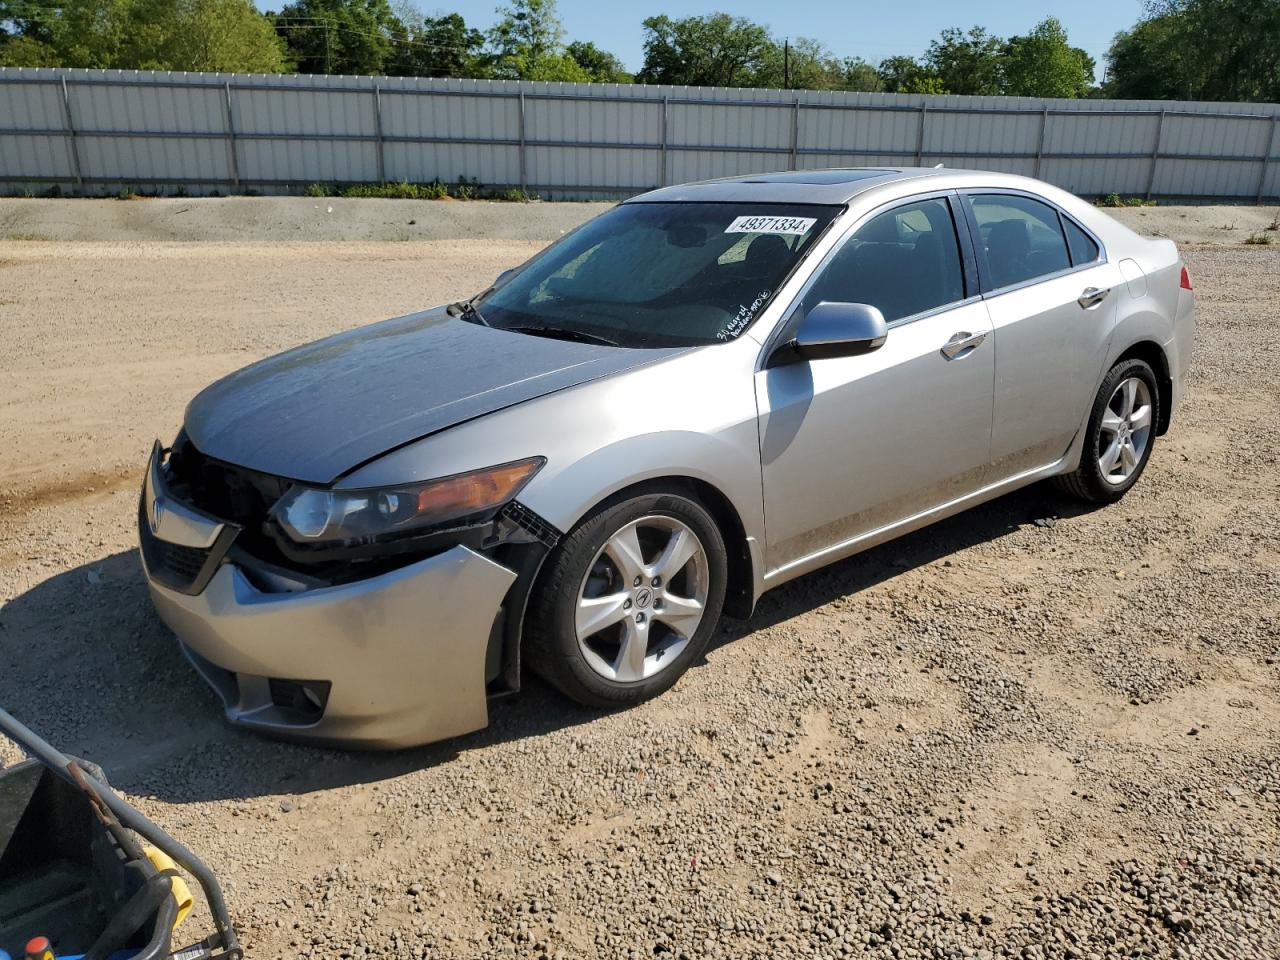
point(390, 661)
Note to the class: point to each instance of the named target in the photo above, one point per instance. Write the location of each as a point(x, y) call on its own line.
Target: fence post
point(71, 134)
point(795, 131)
point(1266, 157)
point(232, 160)
point(924, 110)
point(1044, 123)
point(524, 176)
point(662, 173)
point(1155, 155)
point(377, 129)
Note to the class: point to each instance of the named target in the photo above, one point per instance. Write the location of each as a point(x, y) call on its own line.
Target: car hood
point(315, 412)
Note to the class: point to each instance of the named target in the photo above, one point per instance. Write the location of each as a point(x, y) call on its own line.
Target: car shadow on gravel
point(1038, 504)
point(86, 663)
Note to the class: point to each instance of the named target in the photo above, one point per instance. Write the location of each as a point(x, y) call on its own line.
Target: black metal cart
point(73, 871)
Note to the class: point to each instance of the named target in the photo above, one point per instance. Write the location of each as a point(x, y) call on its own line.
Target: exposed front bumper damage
point(392, 661)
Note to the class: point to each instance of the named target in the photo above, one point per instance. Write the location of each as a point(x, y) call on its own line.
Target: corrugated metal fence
point(92, 131)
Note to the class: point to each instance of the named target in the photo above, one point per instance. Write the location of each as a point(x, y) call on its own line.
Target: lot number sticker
point(789, 225)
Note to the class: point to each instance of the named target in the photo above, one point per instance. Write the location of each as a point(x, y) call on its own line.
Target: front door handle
point(962, 344)
point(1092, 296)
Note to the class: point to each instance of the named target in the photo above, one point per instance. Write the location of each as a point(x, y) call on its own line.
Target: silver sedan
point(699, 395)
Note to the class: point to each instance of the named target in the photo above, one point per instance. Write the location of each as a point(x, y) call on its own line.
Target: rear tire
point(1120, 435)
point(628, 600)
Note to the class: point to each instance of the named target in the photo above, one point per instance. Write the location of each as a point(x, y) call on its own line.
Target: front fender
point(728, 461)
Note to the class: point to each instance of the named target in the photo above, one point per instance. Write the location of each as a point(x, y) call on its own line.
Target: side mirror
point(502, 277)
point(834, 330)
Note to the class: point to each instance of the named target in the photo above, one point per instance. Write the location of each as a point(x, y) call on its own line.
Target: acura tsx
point(702, 393)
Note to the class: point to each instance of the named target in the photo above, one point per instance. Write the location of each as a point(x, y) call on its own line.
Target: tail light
point(1185, 282)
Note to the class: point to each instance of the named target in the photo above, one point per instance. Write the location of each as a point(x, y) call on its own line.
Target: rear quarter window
point(1083, 248)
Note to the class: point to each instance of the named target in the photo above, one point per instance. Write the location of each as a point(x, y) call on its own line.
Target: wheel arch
point(1153, 355)
point(744, 567)
point(740, 591)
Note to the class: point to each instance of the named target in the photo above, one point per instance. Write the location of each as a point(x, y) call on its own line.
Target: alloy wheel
point(642, 599)
point(1125, 430)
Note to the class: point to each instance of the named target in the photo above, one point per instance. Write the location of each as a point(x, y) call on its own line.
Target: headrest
point(764, 253)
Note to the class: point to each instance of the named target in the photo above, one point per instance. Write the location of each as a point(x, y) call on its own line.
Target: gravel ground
point(1031, 731)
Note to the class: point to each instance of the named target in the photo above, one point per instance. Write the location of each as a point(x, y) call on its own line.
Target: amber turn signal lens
point(476, 491)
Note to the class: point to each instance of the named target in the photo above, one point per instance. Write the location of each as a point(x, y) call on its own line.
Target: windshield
point(658, 274)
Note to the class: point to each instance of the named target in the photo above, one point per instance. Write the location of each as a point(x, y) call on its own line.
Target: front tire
point(1120, 437)
point(629, 600)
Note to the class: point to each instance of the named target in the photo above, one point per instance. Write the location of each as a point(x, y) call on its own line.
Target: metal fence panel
point(93, 131)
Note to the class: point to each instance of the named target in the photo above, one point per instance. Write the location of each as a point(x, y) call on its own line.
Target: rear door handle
point(962, 344)
point(1092, 296)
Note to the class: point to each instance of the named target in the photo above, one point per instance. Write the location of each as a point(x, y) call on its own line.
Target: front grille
point(230, 493)
point(222, 490)
point(171, 564)
point(185, 562)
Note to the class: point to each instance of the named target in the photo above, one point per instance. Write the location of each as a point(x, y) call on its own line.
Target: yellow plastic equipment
point(181, 892)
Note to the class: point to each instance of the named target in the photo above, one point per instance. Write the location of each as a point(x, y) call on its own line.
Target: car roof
point(830, 186)
point(842, 185)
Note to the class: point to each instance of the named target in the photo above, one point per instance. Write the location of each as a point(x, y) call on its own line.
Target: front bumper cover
point(403, 653)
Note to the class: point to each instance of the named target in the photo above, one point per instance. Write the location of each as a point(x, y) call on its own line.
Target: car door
point(1053, 307)
point(851, 445)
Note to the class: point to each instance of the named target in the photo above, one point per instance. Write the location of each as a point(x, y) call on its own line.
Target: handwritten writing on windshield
point(746, 312)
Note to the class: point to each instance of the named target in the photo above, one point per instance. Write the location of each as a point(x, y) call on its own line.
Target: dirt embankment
point(252, 219)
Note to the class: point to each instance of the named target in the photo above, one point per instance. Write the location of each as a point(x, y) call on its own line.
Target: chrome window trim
point(1043, 278)
point(788, 313)
point(926, 314)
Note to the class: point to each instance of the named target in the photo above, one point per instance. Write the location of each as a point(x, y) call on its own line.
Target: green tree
point(715, 50)
point(77, 33)
point(141, 35)
point(909, 75)
point(1199, 50)
point(528, 44)
point(1145, 63)
point(442, 46)
point(966, 63)
point(1090, 66)
point(340, 36)
point(1235, 45)
point(222, 35)
point(801, 64)
point(1044, 64)
point(601, 66)
point(861, 76)
point(21, 51)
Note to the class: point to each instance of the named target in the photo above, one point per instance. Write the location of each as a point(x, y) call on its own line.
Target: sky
point(847, 28)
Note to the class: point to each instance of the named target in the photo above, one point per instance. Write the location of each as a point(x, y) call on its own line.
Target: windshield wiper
point(563, 333)
point(466, 309)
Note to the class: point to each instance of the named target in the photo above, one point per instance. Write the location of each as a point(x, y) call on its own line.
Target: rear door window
point(1021, 238)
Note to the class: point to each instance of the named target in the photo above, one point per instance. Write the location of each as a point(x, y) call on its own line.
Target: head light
point(312, 516)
